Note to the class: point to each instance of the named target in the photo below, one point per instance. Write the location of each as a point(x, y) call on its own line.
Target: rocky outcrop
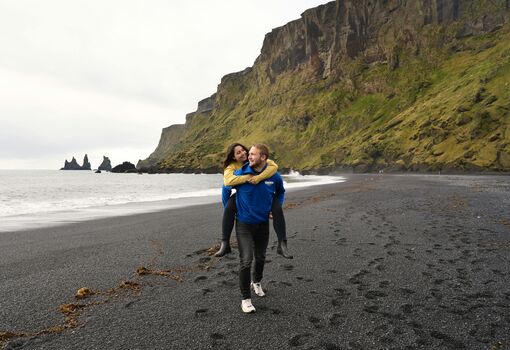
point(125, 167)
point(73, 164)
point(346, 86)
point(105, 165)
point(168, 141)
point(86, 164)
point(343, 30)
point(206, 105)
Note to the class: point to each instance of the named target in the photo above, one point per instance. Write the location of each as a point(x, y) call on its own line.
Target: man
point(252, 223)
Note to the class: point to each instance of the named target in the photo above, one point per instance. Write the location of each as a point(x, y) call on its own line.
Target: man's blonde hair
point(264, 149)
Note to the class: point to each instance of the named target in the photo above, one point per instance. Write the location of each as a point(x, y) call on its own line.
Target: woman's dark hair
point(230, 155)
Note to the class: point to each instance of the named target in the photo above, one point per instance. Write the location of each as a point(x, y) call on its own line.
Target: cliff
point(364, 85)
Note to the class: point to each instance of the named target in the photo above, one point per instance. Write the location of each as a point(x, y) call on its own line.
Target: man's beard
point(257, 164)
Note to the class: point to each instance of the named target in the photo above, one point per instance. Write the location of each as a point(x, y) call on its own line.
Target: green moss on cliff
point(446, 107)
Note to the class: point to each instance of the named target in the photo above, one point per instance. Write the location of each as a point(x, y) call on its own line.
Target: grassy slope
point(443, 108)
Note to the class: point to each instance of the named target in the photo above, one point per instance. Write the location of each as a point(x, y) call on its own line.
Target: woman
point(236, 156)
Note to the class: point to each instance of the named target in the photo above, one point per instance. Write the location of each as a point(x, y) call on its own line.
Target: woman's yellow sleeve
point(229, 179)
point(269, 171)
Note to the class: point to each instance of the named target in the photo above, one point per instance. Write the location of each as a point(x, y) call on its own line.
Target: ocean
point(39, 198)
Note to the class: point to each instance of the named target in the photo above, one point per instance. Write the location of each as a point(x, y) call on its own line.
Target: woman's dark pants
point(252, 241)
point(229, 215)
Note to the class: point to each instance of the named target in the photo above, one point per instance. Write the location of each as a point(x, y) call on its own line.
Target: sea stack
point(106, 165)
point(73, 164)
point(86, 163)
point(125, 167)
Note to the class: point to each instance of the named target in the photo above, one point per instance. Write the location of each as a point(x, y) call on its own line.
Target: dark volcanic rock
point(86, 163)
point(73, 164)
point(106, 164)
point(125, 167)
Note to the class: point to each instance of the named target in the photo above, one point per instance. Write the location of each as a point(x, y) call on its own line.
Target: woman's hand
point(254, 180)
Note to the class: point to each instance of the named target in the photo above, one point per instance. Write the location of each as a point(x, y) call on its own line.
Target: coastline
point(381, 261)
point(79, 209)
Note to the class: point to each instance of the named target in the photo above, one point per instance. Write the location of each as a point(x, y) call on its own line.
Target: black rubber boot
point(283, 250)
point(224, 249)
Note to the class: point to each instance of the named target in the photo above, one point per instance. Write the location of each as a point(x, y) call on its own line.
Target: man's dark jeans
point(252, 241)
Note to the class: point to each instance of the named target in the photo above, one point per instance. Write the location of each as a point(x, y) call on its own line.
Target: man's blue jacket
point(254, 202)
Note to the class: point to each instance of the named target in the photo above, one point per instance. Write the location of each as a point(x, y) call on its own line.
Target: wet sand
point(381, 262)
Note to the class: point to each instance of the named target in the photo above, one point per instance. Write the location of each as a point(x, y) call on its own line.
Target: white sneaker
point(257, 288)
point(247, 306)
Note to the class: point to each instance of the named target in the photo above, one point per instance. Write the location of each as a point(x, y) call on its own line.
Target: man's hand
point(271, 215)
point(254, 180)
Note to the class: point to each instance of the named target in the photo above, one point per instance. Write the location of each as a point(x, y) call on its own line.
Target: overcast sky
point(104, 77)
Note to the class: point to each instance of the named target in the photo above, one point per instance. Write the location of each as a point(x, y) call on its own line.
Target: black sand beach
point(381, 262)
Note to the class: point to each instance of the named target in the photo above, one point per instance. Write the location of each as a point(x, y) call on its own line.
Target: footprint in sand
point(386, 339)
point(129, 304)
point(407, 308)
point(341, 241)
point(314, 320)
point(201, 312)
point(384, 284)
point(204, 259)
point(450, 341)
point(356, 278)
point(228, 283)
point(288, 267)
point(217, 336)
point(269, 309)
point(380, 267)
point(436, 294)
point(416, 326)
point(371, 309)
point(299, 339)
point(374, 294)
point(375, 261)
point(206, 291)
point(422, 341)
point(497, 272)
point(336, 319)
point(342, 293)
